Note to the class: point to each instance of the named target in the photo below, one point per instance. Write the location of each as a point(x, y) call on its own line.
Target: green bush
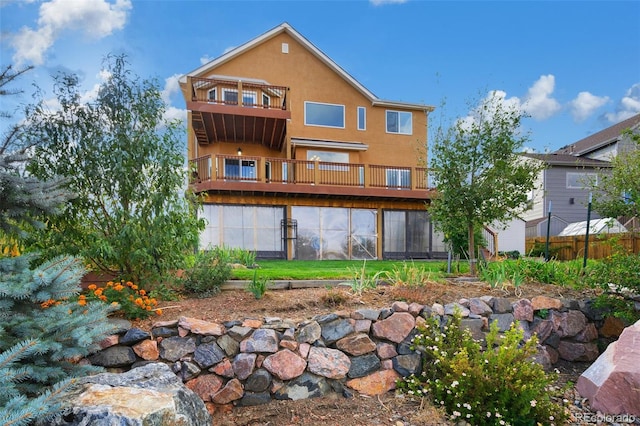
point(210, 270)
point(500, 385)
point(619, 278)
point(362, 281)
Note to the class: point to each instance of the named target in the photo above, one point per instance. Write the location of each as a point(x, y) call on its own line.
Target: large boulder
point(151, 395)
point(612, 382)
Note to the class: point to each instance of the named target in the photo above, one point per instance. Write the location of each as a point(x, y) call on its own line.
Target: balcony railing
point(238, 93)
point(304, 172)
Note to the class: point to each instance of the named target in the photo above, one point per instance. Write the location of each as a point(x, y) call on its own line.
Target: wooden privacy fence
point(572, 247)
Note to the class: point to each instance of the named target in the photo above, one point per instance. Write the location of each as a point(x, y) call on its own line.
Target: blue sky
point(573, 66)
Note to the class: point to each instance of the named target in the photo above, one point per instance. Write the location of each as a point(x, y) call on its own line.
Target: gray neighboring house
point(562, 183)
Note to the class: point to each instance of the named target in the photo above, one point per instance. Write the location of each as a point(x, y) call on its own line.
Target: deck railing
point(227, 92)
point(306, 172)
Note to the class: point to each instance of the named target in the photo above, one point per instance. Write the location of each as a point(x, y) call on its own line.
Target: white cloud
point(383, 2)
point(94, 18)
point(171, 86)
point(538, 103)
point(494, 101)
point(229, 49)
point(173, 113)
point(629, 105)
point(204, 59)
point(586, 104)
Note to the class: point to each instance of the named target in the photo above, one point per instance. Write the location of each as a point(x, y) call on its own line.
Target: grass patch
point(328, 269)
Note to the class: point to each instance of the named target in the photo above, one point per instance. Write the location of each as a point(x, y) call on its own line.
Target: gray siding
point(561, 197)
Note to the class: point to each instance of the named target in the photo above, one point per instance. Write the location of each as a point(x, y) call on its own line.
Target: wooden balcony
point(279, 176)
point(238, 111)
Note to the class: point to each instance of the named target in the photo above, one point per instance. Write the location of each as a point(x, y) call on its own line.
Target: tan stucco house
point(298, 160)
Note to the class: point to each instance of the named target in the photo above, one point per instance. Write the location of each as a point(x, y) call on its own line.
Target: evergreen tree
point(42, 333)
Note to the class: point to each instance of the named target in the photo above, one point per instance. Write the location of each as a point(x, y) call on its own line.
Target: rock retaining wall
point(252, 361)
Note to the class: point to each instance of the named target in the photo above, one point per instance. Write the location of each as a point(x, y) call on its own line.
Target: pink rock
point(386, 350)
point(377, 383)
point(205, 386)
point(356, 344)
point(387, 364)
point(589, 334)
point(400, 307)
point(545, 302)
point(575, 351)
point(395, 328)
point(363, 325)
point(147, 350)
point(612, 383)
point(568, 324)
point(243, 365)
point(285, 365)
point(197, 326)
point(523, 310)
point(303, 350)
point(289, 344)
point(232, 391)
point(330, 363)
point(223, 368)
point(415, 309)
point(252, 323)
point(109, 341)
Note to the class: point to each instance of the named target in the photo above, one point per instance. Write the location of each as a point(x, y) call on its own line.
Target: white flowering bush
point(497, 386)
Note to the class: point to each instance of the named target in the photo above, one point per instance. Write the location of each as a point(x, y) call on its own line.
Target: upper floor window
point(211, 95)
point(581, 180)
point(362, 118)
point(326, 115)
point(230, 96)
point(399, 122)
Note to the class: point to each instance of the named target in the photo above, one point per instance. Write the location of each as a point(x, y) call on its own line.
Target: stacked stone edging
point(252, 361)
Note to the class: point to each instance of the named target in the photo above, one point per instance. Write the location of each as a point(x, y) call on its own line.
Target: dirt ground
point(302, 304)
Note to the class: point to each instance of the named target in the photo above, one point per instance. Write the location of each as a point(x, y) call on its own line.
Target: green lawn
point(327, 269)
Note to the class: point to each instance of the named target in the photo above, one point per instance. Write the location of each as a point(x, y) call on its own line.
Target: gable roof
point(288, 29)
point(599, 139)
point(554, 159)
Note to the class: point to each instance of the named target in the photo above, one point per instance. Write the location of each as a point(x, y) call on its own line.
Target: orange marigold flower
point(118, 287)
point(92, 287)
point(159, 311)
point(135, 287)
point(82, 297)
point(154, 301)
point(110, 284)
point(98, 292)
point(82, 302)
point(103, 298)
point(116, 304)
point(142, 292)
point(148, 308)
point(139, 302)
point(129, 284)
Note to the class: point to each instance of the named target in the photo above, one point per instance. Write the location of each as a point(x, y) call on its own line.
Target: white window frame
point(399, 113)
point(266, 101)
point(215, 95)
point(362, 124)
point(581, 179)
point(306, 123)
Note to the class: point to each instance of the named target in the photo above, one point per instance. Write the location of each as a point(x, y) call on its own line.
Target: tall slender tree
point(479, 175)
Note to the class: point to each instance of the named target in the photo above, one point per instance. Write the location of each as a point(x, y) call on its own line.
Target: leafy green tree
point(42, 334)
point(125, 164)
point(479, 175)
point(618, 193)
